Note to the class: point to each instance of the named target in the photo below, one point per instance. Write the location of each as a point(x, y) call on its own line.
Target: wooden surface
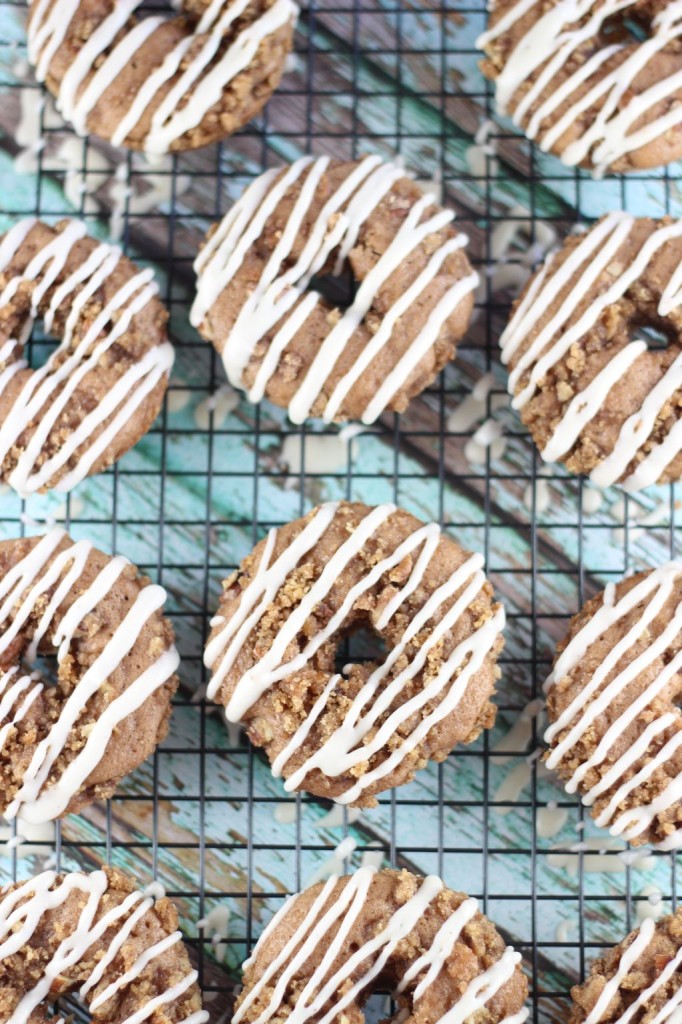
point(205, 816)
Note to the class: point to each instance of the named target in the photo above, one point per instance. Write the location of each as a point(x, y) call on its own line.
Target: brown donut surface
point(102, 388)
point(336, 943)
point(616, 730)
point(93, 936)
point(345, 567)
point(68, 741)
point(597, 388)
point(261, 269)
point(638, 980)
point(160, 83)
point(595, 82)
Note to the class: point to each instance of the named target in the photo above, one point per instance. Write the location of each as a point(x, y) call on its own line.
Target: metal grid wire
point(204, 816)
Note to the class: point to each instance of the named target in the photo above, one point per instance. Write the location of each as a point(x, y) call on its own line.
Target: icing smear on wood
point(556, 37)
point(359, 739)
point(582, 268)
point(196, 69)
point(47, 392)
point(328, 924)
point(660, 734)
point(21, 915)
point(280, 297)
point(45, 576)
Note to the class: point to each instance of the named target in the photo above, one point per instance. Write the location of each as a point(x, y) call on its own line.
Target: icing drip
point(327, 925)
point(196, 82)
point(47, 392)
point(280, 295)
point(22, 910)
point(351, 744)
point(42, 572)
point(560, 35)
point(595, 702)
point(582, 269)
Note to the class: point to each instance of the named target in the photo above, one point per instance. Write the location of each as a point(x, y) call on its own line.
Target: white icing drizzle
point(350, 744)
point(280, 296)
point(595, 702)
point(595, 253)
point(27, 583)
point(200, 79)
point(46, 394)
point(327, 925)
point(553, 39)
point(21, 914)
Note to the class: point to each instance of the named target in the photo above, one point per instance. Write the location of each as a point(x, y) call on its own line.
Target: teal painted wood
point(212, 835)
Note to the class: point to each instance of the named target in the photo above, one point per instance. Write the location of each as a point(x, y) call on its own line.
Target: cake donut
point(352, 734)
point(615, 732)
point(258, 300)
point(156, 83)
point(332, 945)
point(638, 980)
point(102, 388)
point(579, 79)
point(594, 392)
point(64, 745)
point(93, 936)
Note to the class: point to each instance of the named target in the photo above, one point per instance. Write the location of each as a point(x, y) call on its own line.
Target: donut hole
point(339, 290)
point(37, 344)
point(625, 27)
point(638, 31)
point(360, 646)
point(656, 337)
point(38, 348)
point(378, 1008)
point(43, 665)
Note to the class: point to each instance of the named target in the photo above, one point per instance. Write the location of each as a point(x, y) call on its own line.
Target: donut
point(335, 943)
point(67, 741)
point(615, 732)
point(316, 581)
point(261, 269)
point(102, 388)
point(155, 83)
point(596, 392)
point(93, 936)
point(596, 82)
point(638, 980)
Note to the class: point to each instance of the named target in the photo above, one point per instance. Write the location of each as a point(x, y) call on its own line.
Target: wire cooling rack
point(204, 817)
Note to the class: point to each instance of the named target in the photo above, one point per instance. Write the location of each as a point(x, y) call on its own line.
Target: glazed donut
point(155, 83)
point(579, 79)
point(616, 732)
point(102, 389)
point(333, 944)
point(310, 584)
point(92, 935)
point(279, 337)
point(63, 746)
point(637, 981)
point(592, 390)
